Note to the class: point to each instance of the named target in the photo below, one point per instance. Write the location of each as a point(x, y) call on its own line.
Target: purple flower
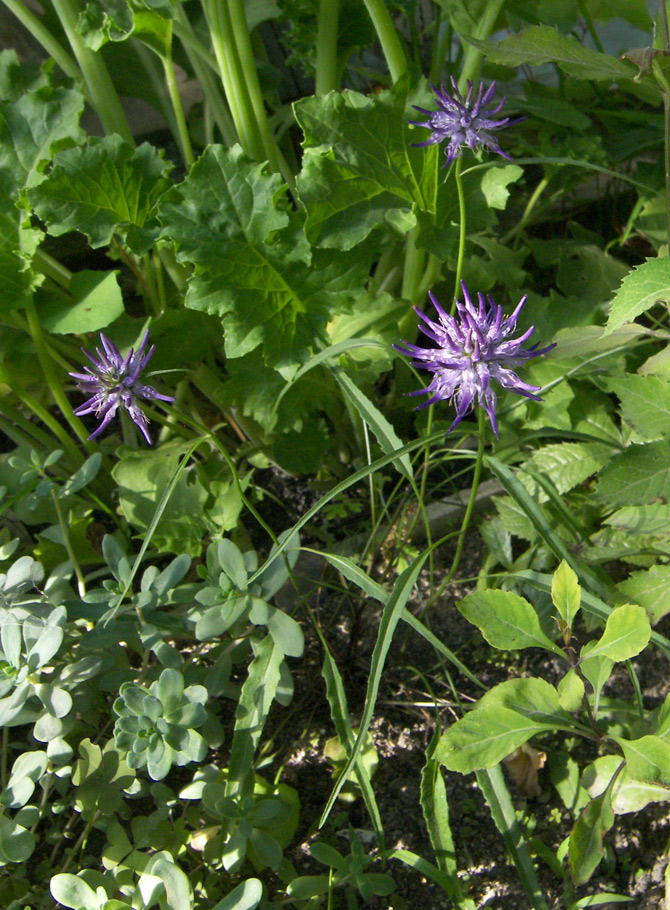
point(472, 350)
point(114, 382)
point(463, 123)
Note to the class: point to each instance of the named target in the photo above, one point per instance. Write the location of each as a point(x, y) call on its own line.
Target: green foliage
point(156, 727)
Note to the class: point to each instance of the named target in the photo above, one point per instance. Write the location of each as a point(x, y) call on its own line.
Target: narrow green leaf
point(252, 711)
point(384, 433)
point(494, 790)
point(586, 839)
point(506, 621)
point(436, 815)
point(339, 711)
point(355, 574)
point(390, 618)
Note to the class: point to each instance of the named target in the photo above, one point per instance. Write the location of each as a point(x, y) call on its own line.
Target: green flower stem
point(204, 64)
point(42, 35)
point(388, 38)
point(81, 582)
point(54, 383)
point(326, 47)
point(530, 205)
point(42, 414)
point(245, 51)
point(481, 437)
point(586, 15)
point(233, 77)
point(462, 227)
point(104, 97)
point(415, 260)
point(441, 47)
point(472, 57)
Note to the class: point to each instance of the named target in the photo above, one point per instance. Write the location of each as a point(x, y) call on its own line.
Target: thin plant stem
point(388, 38)
point(525, 217)
point(42, 414)
point(42, 35)
point(584, 10)
point(232, 76)
point(104, 97)
point(441, 48)
point(81, 581)
point(326, 46)
point(3, 757)
point(175, 98)
point(461, 231)
point(247, 60)
point(368, 454)
point(479, 460)
point(472, 57)
point(53, 382)
point(204, 64)
point(52, 268)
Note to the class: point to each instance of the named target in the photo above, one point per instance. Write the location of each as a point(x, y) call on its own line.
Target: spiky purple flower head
point(472, 350)
point(114, 382)
point(464, 122)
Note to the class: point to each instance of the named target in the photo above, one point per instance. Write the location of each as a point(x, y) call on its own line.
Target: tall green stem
point(103, 95)
point(472, 56)
point(479, 461)
point(175, 98)
point(326, 47)
point(388, 38)
point(247, 60)
point(41, 34)
point(232, 76)
point(462, 215)
point(203, 64)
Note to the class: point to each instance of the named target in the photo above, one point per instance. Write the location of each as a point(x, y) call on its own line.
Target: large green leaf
point(253, 263)
point(142, 477)
point(646, 285)
point(586, 839)
point(647, 758)
point(503, 719)
point(543, 44)
point(359, 169)
point(93, 302)
point(645, 403)
point(107, 187)
point(651, 589)
point(506, 620)
point(626, 634)
point(637, 476)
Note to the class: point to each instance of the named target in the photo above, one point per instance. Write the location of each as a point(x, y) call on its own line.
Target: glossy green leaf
point(627, 632)
point(104, 188)
point(566, 593)
point(543, 44)
point(72, 891)
point(506, 621)
point(246, 896)
point(571, 691)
